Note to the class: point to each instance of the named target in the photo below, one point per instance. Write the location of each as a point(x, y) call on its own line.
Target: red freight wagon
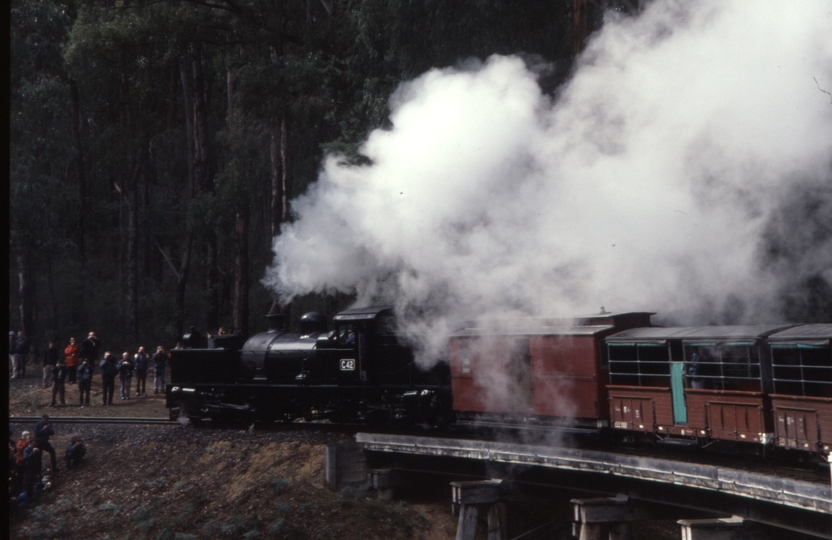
point(705, 382)
point(801, 398)
point(534, 371)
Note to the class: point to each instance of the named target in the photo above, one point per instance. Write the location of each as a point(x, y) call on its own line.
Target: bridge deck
point(763, 487)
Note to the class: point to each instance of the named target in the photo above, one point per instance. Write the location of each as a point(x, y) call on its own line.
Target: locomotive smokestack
point(277, 322)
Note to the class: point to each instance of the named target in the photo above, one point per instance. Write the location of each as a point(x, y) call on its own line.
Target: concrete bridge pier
point(476, 502)
point(382, 481)
point(713, 529)
point(608, 518)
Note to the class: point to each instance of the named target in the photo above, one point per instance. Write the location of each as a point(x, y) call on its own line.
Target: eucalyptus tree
point(182, 129)
point(43, 223)
point(120, 61)
point(157, 81)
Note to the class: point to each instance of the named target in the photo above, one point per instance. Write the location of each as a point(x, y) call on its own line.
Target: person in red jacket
point(71, 354)
point(20, 463)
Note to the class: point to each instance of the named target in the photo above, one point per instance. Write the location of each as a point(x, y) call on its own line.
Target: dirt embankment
point(185, 483)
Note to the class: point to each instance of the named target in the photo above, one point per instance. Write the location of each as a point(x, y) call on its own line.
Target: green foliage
point(329, 73)
point(38, 127)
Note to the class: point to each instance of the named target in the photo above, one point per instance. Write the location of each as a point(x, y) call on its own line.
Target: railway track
point(93, 420)
point(125, 420)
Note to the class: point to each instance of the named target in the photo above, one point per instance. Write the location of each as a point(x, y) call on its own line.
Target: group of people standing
point(26, 458)
point(75, 366)
point(77, 362)
point(126, 368)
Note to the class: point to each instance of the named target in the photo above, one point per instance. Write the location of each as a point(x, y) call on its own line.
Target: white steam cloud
point(647, 184)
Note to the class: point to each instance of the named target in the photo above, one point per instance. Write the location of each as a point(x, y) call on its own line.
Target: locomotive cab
point(375, 372)
point(346, 355)
point(365, 349)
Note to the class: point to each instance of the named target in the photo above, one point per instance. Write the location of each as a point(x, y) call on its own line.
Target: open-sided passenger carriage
point(801, 398)
point(711, 383)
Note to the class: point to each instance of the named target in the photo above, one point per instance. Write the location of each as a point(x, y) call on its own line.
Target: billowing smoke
point(665, 176)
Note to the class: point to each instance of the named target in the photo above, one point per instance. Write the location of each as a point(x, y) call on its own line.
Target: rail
point(93, 420)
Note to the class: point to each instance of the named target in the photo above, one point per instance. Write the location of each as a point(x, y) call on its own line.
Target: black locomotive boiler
point(360, 371)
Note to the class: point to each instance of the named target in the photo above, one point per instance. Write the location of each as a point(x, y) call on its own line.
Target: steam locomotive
point(611, 373)
point(361, 371)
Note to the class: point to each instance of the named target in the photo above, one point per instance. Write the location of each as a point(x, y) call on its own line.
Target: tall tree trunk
point(80, 171)
point(229, 84)
point(202, 173)
point(187, 94)
point(147, 256)
point(173, 89)
point(131, 304)
point(239, 311)
point(132, 263)
point(53, 304)
point(76, 123)
point(204, 181)
point(182, 270)
point(212, 286)
point(241, 263)
point(275, 201)
point(122, 250)
point(182, 285)
point(281, 192)
point(26, 288)
point(579, 27)
point(287, 176)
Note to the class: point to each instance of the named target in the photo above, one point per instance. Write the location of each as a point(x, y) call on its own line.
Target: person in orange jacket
point(72, 362)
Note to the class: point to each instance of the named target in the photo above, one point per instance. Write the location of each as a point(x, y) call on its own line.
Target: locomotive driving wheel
point(186, 411)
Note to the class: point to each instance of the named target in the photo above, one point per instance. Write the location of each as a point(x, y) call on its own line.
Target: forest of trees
point(155, 145)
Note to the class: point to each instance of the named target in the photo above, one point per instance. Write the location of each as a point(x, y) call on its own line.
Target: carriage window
point(639, 364)
point(722, 366)
point(802, 370)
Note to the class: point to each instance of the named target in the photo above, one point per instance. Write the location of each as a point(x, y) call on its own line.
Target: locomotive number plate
point(347, 364)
